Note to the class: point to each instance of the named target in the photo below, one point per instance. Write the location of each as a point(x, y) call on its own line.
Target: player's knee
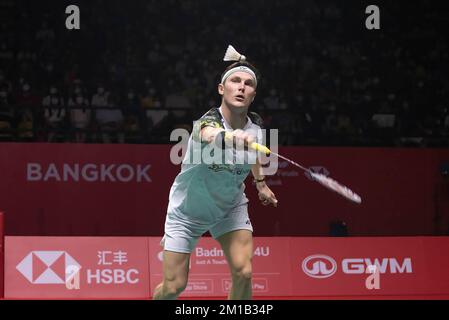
point(243, 272)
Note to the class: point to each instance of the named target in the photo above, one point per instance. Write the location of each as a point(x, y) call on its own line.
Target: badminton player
point(209, 196)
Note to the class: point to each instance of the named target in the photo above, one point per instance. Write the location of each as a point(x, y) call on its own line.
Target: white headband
point(232, 55)
point(242, 69)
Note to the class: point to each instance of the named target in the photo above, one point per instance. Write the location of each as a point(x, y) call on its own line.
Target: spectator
point(109, 116)
point(80, 114)
point(151, 104)
point(55, 114)
point(132, 112)
point(6, 115)
point(26, 126)
point(27, 98)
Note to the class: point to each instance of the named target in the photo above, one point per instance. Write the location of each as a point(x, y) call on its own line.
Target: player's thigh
point(237, 246)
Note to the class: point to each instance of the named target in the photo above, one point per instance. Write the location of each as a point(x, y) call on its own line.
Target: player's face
point(238, 90)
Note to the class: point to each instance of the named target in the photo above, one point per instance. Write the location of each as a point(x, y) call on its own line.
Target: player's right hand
point(241, 137)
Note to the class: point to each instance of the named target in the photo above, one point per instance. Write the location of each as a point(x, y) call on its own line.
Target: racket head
point(336, 187)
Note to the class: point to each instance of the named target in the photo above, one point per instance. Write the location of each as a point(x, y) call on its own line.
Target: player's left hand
point(266, 196)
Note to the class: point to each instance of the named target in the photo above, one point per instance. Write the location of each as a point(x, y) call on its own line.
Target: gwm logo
point(48, 267)
point(319, 266)
point(322, 266)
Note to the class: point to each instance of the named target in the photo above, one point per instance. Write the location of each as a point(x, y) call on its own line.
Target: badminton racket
point(325, 181)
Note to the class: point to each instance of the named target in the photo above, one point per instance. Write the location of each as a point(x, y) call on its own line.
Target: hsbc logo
point(322, 266)
point(319, 266)
point(48, 267)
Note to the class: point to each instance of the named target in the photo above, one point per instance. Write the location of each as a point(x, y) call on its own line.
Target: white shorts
point(182, 235)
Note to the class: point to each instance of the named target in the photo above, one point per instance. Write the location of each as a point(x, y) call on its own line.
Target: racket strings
point(326, 181)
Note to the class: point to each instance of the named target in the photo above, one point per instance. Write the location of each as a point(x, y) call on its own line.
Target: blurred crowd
point(135, 71)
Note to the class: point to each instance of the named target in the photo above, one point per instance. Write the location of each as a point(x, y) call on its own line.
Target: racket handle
point(260, 147)
point(256, 146)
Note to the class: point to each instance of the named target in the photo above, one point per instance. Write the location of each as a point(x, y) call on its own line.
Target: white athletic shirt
point(205, 192)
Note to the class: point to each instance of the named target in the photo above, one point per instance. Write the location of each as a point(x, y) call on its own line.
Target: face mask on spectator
point(100, 90)
point(54, 101)
point(53, 90)
point(26, 87)
point(79, 100)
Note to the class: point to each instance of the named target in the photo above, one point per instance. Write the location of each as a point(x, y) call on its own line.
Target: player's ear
point(254, 97)
point(220, 89)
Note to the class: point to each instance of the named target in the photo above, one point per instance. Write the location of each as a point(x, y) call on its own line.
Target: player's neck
point(237, 120)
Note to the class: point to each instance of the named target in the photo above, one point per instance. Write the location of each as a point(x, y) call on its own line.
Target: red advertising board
point(130, 268)
point(122, 190)
point(341, 266)
point(209, 273)
point(76, 267)
point(85, 190)
point(323, 267)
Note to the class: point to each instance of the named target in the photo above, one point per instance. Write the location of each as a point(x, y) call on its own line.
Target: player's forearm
point(257, 171)
point(259, 177)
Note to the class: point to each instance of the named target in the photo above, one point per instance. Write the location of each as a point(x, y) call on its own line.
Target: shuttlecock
point(232, 55)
